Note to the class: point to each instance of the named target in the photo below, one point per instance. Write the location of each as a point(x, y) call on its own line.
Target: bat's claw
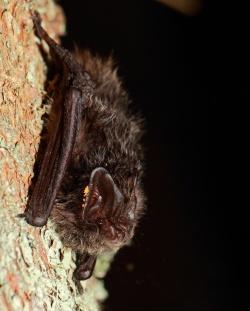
point(36, 17)
point(22, 215)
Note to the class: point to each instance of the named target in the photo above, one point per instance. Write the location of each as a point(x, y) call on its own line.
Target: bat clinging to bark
point(90, 177)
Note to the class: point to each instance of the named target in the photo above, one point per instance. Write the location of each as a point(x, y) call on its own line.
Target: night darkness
point(190, 78)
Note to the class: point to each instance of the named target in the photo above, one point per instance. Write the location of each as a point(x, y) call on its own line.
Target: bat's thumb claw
point(22, 215)
point(36, 17)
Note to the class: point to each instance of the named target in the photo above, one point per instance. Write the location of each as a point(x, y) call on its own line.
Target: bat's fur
point(109, 137)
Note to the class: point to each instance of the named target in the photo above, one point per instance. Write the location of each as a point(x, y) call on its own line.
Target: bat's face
point(103, 220)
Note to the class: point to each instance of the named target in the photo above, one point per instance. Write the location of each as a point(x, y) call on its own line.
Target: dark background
point(190, 78)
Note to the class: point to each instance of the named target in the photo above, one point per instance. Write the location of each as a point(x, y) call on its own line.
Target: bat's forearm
point(55, 161)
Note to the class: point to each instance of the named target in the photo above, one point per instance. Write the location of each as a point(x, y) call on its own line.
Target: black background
point(190, 78)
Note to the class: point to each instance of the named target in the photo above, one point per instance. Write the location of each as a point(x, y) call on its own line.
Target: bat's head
point(103, 220)
point(106, 209)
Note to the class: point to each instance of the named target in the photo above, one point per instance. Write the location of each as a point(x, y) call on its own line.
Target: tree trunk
point(35, 268)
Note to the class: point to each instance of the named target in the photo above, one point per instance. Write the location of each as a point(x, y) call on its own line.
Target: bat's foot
point(85, 266)
point(81, 274)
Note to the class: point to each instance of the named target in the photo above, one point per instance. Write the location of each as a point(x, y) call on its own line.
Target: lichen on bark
point(35, 268)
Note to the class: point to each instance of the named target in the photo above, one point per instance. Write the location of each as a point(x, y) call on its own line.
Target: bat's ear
point(104, 197)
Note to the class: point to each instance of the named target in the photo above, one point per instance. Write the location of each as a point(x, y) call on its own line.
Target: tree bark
point(35, 268)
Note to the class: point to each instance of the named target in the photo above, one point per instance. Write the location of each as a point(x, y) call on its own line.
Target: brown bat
point(90, 176)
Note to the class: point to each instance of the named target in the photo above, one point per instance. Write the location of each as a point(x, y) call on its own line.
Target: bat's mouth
point(101, 197)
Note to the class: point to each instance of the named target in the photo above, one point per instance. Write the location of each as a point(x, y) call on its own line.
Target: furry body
point(109, 137)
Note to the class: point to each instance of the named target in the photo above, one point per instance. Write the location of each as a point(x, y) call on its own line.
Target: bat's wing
point(76, 90)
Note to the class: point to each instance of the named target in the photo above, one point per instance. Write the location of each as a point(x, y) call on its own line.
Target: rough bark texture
point(35, 268)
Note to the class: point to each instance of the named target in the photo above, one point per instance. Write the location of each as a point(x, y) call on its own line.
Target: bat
point(90, 178)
